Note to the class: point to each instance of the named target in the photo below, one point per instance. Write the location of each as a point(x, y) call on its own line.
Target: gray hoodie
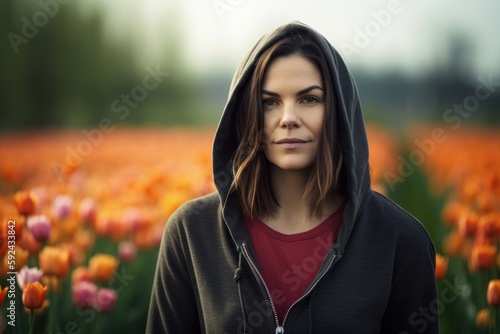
point(378, 277)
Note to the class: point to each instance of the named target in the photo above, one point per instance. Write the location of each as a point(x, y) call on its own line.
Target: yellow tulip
point(102, 267)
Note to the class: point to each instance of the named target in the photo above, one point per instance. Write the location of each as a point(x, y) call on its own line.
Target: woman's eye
point(310, 99)
point(266, 103)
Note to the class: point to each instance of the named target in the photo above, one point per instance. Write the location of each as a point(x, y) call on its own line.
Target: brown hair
point(250, 166)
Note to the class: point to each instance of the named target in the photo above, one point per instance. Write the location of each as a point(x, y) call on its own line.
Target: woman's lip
point(291, 145)
point(291, 141)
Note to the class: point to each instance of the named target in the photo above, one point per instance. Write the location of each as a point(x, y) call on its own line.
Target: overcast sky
point(409, 35)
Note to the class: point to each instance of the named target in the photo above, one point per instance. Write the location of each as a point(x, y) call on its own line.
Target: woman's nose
point(289, 117)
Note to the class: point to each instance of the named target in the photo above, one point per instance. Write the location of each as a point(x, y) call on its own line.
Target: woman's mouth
point(291, 143)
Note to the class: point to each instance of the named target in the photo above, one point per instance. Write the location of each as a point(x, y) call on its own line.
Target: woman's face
point(293, 100)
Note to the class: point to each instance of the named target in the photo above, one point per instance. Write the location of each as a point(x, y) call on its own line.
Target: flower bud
point(441, 266)
point(39, 226)
point(102, 267)
point(84, 294)
point(28, 275)
point(105, 300)
point(34, 295)
point(62, 206)
point(493, 294)
point(25, 202)
point(54, 261)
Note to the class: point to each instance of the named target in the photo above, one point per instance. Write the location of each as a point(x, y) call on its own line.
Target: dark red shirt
point(289, 262)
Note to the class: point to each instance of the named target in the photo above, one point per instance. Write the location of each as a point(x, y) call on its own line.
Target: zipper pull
point(280, 330)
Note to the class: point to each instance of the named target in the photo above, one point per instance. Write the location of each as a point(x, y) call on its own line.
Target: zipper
point(254, 268)
point(280, 329)
point(310, 289)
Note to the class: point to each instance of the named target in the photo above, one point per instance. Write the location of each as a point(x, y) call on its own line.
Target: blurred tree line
point(451, 91)
point(58, 68)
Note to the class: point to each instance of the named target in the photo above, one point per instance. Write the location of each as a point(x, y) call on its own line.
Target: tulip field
point(83, 213)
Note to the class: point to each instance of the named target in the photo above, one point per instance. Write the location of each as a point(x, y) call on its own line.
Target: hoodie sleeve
point(413, 305)
point(172, 307)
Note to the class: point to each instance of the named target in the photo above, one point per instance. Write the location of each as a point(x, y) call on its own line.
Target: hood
point(351, 129)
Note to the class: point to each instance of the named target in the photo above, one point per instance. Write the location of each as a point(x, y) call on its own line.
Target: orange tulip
point(34, 295)
point(54, 261)
point(452, 212)
point(441, 266)
point(80, 274)
point(25, 202)
point(453, 243)
point(483, 319)
point(493, 294)
point(3, 292)
point(102, 267)
point(489, 225)
point(468, 222)
point(482, 257)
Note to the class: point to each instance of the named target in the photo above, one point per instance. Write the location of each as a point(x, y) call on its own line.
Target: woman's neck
point(292, 216)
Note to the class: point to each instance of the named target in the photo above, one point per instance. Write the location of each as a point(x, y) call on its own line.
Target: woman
point(294, 240)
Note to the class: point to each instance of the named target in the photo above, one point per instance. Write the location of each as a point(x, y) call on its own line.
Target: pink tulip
point(127, 251)
point(105, 300)
point(62, 206)
point(87, 210)
point(133, 219)
point(39, 226)
point(84, 294)
point(28, 275)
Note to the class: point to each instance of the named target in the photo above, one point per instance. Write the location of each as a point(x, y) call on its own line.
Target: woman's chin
point(292, 165)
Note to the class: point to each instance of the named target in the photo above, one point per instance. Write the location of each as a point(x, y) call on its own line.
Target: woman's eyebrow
point(308, 89)
point(268, 92)
point(301, 92)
